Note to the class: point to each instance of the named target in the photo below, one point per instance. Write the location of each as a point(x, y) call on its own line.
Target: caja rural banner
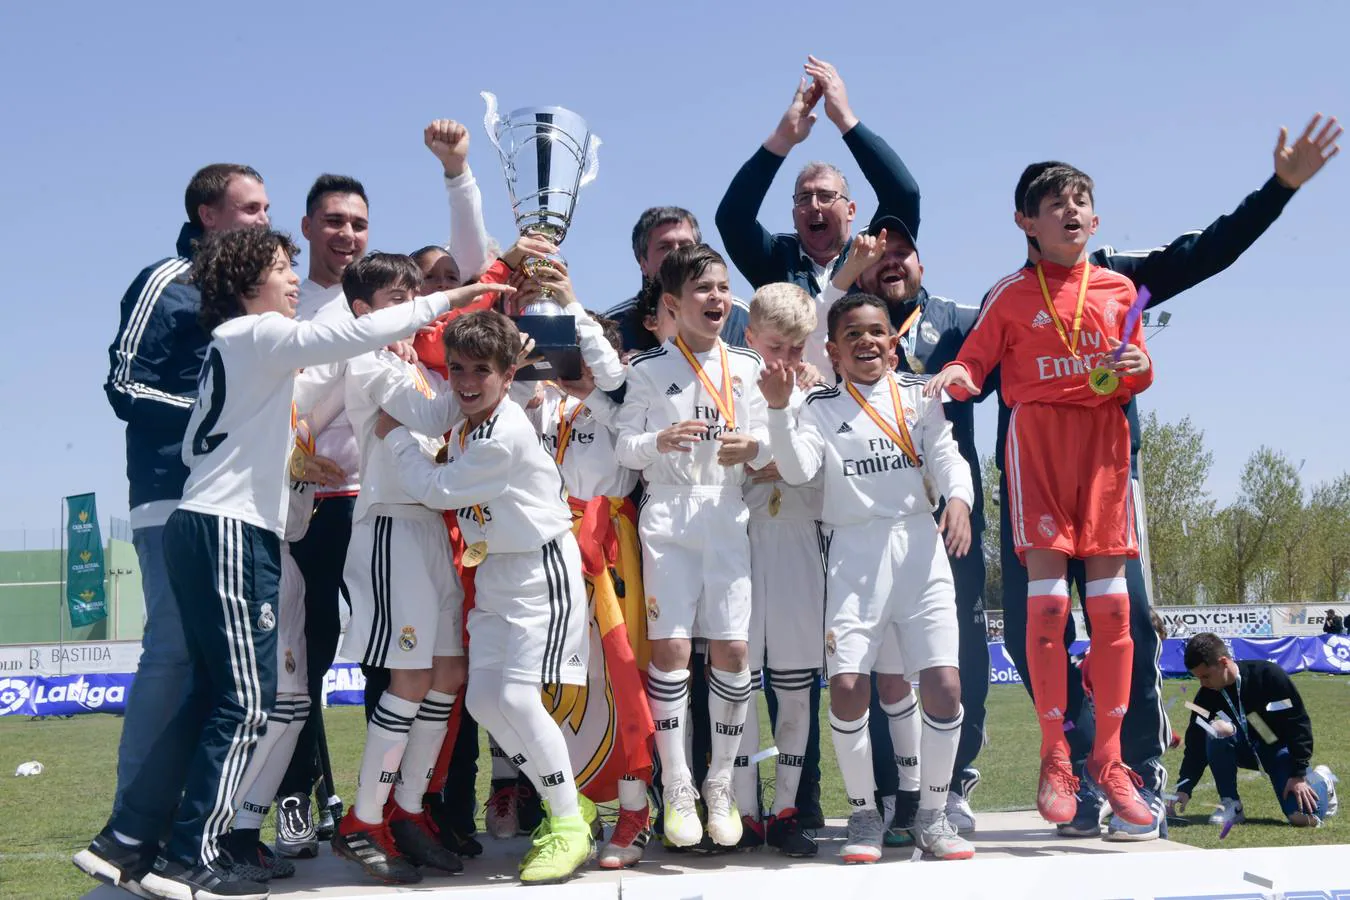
point(84, 562)
point(344, 685)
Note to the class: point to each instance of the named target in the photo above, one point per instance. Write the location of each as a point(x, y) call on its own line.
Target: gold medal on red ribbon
point(1103, 380)
point(899, 435)
point(775, 501)
point(724, 399)
point(565, 424)
point(297, 463)
point(474, 554)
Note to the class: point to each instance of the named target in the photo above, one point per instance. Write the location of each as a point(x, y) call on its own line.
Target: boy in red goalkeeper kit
point(1056, 330)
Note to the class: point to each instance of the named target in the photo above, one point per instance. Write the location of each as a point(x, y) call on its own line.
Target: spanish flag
point(607, 724)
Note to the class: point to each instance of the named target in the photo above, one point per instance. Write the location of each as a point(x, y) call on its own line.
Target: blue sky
point(1173, 108)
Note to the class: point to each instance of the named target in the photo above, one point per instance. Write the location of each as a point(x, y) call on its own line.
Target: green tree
point(1175, 466)
point(1243, 552)
point(993, 570)
point(1329, 537)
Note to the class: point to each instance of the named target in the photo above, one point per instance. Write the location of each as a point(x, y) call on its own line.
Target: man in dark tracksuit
point(1166, 272)
point(152, 384)
point(822, 213)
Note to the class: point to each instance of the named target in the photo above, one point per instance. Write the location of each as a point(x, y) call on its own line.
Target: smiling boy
point(691, 421)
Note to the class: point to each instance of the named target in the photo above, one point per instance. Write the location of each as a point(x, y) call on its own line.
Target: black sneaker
point(245, 847)
point(529, 807)
point(752, 834)
point(174, 881)
point(809, 814)
point(372, 847)
point(450, 828)
point(329, 816)
point(784, 834)
point(416, 839)
point(115, 863)
point(295, 828)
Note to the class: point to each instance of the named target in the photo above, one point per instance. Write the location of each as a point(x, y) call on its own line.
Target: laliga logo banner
point(66, 695)
point(1336, 652)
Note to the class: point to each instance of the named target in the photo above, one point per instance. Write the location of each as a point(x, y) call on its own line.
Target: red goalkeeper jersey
point(1031, 339)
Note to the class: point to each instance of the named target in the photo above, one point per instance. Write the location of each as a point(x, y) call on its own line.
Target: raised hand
point(775, 383)
point(449, 142)
point(1296, 163)
point(831, 87)
point(796, 123)
point(864, 252)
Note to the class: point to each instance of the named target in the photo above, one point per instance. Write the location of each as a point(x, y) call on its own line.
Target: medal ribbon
point(1070, 340)
point(901, 437)
point(565, 428)
point(477, 508)
point(725, 400)
point(304, 442)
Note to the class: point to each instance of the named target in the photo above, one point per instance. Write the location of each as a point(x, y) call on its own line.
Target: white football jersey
point(239, 436)
point(587, 458)
point(606, 368)
point(418, 398)
point(799, 502)
point(336, 441)
point(866, 475)
point(501, 482)
point(664, 390)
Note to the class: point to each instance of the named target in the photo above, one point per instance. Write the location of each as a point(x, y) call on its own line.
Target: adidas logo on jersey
point(1040, 320)
point(673, 390)
point(574, 662)
point(844, 428)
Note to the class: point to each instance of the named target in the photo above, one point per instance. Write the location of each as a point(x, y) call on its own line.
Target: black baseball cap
point(893, 225)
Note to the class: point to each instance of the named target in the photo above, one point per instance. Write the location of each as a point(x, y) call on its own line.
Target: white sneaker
point(935, 835)
point(863, 844)
point(959, 813)
point(1323, 781)
point(724, 819)
point(680, 816)
point(1228, 810)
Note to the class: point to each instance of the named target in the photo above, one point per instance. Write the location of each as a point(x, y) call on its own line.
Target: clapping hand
point(797, 121)
point(831, 86)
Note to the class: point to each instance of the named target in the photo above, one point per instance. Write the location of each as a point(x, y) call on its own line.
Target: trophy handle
point(592, 161)
point(492, 123)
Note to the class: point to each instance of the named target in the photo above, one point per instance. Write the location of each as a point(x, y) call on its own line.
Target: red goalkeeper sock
point(1108, 611)
point(1047, 663)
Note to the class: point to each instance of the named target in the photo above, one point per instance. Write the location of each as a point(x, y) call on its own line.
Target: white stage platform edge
point(1018, 856)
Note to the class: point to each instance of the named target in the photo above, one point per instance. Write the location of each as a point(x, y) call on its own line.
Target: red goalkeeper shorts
point(1069, 480)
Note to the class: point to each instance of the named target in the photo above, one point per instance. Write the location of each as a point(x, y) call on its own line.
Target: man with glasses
point(822, 211)
point(822, 208)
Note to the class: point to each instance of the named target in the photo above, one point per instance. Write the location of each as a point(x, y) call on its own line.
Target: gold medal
point(474, 554)
point(914, 363)
point(775, 501)
point(297, 465)
point(1103, 380)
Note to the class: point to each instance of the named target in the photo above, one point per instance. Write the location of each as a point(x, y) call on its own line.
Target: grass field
point(47, 818)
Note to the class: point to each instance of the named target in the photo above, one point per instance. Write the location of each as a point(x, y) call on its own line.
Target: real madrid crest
point(653, 609)
point(407, 638)
point(290, 663)
point(737, 386)
point(267, 619)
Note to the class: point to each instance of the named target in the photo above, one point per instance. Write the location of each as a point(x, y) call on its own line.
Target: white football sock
point(937, 757)
point(728, 702)
point(632, 794)
point(853, 752)
point(902, 719)
point(271, 759)
point(424, 744)
point(745, 774)
point(793, 690)
point(668, 696)
point(386, 739)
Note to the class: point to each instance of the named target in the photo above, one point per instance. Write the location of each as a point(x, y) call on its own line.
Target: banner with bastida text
point(84, 562)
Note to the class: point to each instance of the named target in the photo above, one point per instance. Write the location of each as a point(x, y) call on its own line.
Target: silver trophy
point(548, 155)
